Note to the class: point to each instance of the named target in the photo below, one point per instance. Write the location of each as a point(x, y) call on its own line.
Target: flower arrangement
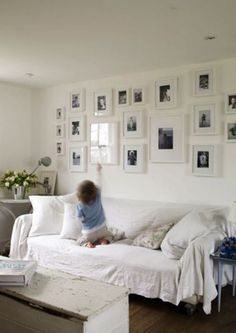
point(14, 179)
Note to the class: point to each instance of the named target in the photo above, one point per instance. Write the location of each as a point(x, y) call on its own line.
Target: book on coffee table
point(16, 272)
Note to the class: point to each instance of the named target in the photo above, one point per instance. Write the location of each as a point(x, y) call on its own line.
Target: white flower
point(15, 173)
point(26, 184)
point(16, 185)
point(7, 184)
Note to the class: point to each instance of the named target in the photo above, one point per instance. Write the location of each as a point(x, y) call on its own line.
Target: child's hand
point(99, 167)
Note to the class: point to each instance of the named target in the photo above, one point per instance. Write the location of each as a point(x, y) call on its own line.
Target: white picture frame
point(168, 139)
point(133, 158)
point(230, 103)
point(47, 178)
point(60, 148)
point(60, 130)
point(76, 128)
point(122, 97)
point(204, 160)
point(133, 126)
point(138, 95)
point(77, 158)
point(204, 119)
point(104, 143)
point(166, 93)
point(230, 129)
point(77, 100)
point(204, 82)
point(60, 114)
point(102, 103)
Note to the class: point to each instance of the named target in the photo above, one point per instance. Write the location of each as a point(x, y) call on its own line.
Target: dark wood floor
point(155, 316)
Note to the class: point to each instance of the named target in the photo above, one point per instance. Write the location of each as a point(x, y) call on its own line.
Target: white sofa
point(146, 272)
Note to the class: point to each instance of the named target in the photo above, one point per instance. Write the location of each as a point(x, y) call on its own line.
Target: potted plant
point(19, 182)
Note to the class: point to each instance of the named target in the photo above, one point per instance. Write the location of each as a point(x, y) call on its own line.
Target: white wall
point(15, 127)
point(164, 182)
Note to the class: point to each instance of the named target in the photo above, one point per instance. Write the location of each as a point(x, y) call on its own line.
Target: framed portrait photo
point(76, 128)
point(122, 97)
point(133, 158)
point(77, 159)
point(103, 103)
point(204, 119)
point(60, 148)
point(133, 124)
point(60, 131)
point(60, 114)
point(104, 143)
point(168, 139)
point(230, 103)
point(47, 180)
point(138, 95)
point(204, 82)
point(166, 93)
point(204, 160)
point(77, 100)
point(230, 129)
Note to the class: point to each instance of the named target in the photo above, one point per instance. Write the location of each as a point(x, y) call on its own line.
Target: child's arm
point(99, 176)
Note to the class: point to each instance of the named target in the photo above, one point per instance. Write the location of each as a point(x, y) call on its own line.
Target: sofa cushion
point(48, 213)
point(152, 238)
point(195, 224)
point(71, 228)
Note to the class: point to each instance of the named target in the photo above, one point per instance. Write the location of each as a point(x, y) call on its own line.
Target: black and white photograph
point(231, 103)
point(168, 138)
point(231, 132)
point(60, 147)
point(60, 130)
point(204, 160)
point(77, 100)
point(166, 92)
point(165, 138)
point(204, 84)
point(47, 179)
point(133, 124)
point(76, 128)
point(77, 159)
point(204, 119)
point(122, 97)
point(103, 103)
point(138, 95)
point(60, 114)
point(134, 158)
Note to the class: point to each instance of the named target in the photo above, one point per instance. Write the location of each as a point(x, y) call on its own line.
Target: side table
point(9, 210)
point(221, 261)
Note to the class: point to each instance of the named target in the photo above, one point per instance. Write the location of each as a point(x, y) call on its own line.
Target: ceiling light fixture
point(210, 37)
point(30, 75)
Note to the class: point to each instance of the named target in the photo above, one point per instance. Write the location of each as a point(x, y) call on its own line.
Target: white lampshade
point(232, 213)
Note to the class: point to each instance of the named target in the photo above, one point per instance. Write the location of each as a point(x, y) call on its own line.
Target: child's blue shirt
point(92, 214)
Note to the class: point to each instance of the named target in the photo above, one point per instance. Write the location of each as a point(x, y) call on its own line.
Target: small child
point(91, 214)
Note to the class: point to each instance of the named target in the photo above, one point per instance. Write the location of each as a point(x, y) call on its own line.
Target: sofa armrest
point(19, 236)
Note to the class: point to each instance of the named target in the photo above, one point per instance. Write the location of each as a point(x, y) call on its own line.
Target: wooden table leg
point(234, 279)
point(220, 273)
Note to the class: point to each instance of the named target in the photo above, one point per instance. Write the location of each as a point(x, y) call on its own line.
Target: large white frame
point(107, 111)
point(104, 143)
point(122, 105)
point(81, 105)
point(212, 169)
point(230, 121)
point(82, 152)
point(138, 130)
point(139, 151)
point(207, 109)
point(229, 110)
point(173, 94)
point(197, 90)
point(144, 97)
point(176, 125)
point(82, 126)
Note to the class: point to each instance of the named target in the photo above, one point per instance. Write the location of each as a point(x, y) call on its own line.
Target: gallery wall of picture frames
point(167, 132)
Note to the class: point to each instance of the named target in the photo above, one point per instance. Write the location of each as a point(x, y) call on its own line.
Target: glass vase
point(18, 192)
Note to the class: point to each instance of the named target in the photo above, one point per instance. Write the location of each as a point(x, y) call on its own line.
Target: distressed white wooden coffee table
point(64, 303)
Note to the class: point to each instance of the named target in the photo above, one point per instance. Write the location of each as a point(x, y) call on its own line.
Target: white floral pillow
point(152, 238)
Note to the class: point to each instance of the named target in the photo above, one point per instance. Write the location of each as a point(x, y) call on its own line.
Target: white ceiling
point(72, 40)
